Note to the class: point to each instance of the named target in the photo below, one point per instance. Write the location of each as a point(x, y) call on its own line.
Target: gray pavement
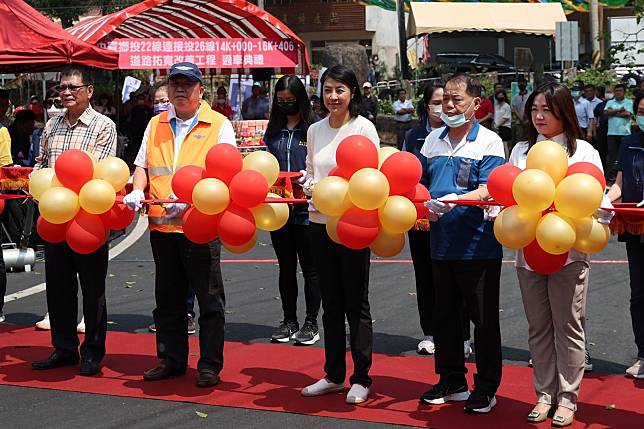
point(253, 310)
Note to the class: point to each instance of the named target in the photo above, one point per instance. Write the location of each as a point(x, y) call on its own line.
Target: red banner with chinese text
point(205, 53)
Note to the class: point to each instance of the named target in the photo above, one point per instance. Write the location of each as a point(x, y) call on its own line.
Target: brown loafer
point(207, 378)
point(161, 372)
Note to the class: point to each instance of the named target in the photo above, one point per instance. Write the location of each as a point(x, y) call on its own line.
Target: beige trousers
point(554, 306)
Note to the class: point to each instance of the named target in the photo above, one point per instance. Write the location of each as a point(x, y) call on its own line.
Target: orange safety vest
point(162, 165)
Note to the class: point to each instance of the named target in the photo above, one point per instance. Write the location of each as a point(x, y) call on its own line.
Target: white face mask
point(609, 96)
point(436, 109)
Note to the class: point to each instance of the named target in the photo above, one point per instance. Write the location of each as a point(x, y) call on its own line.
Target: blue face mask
point(640, 122)
point(456, 120)
point(161, 107)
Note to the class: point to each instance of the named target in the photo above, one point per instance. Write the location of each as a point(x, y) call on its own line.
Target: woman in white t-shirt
point(555, 304)
point(343, 273)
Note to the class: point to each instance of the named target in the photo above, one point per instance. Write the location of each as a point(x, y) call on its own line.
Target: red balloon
point(198, 227)
point(51, 232)
point(86, 233)
point(223, 161)
point(248, 189)
point(358, 228)
point(418, 196)
point(356, 152)
point(237, 225)
point(184, 181)
point(2, 204)
point(587, 168)
point(403, 171)
point(541, 261)
point(74, 168)
point(499, 184)
point(118, 217)
point(336, 171)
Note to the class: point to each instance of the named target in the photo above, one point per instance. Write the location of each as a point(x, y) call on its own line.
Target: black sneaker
point(285, 331)
point(192, 326)
point(588, 364)
point(443, 392)
point(479, 402)
point(309, 334)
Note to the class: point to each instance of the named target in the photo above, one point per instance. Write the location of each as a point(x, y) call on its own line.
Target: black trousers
point(635, 252)
point(64, 268)
point(344, 283)
point(3, 280)
point(293, 242)
point(422, 261)
point(477, 283)
point(181, 264)
point(612, 143)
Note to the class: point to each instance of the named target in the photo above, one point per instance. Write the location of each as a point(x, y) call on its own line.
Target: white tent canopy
point(523, 18)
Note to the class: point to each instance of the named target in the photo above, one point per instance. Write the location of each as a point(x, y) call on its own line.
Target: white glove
point(133, 199)
point(174, 209)
point(439, 207)
point(490, 213)
point(641, 203)
point(605, 216)
point(302, 179)
point(309, 185)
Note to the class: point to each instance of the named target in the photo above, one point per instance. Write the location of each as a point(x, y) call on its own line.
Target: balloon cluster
point(368, 197)
point(77, 200)
point(228, 197)
point(549, 207)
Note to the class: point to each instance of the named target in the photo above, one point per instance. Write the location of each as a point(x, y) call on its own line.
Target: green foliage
point(487, 83)
point(386, 107)
point(596, 77)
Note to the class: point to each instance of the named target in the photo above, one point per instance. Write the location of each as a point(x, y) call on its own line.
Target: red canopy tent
point(189, 19)
point(30, 41)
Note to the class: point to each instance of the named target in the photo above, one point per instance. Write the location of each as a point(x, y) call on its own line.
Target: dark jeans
point(344, 283)
point(613, 143)
point(477, 283)
point(181, 264)
point(293, 242)
point(3, 280)
point(63, 269)
point(422, 260)
point(635, 253)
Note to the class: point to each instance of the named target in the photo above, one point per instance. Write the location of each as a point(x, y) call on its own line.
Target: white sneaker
point(44, 325)
point(467, 348)
point(81, 326)
point(322, 387)
point(357, 394)
point(2, 318)
point(426, 346)
point(637, 369)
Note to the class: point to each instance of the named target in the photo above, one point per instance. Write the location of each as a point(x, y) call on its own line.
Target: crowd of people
point(460, 139)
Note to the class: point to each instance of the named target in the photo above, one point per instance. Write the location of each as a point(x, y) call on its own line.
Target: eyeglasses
point(72, 88)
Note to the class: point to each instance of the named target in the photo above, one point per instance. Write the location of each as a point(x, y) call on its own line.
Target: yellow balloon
point(578, 195)
point(58, 205)
point(368, 188)
point(516, 227)
point(397, 215)
point(97, 196)
point(40, 181)
point(331, 228)
point(55, 182)
point(556, 233)
point(592, 236)
point(387, 245)
point(549, 157)
point(210, 196)
point(114, 170)
point(533, 190)
point(242, 248)
point(385, 152)
point(331, 196)
point(265, 163)
point(270, 216)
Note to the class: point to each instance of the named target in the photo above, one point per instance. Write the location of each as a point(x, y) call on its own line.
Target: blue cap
point(189, 70)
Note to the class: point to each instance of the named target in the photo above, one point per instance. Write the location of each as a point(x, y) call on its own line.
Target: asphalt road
point(253, 310)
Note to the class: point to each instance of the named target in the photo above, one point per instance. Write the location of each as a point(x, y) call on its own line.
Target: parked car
point(460, 62)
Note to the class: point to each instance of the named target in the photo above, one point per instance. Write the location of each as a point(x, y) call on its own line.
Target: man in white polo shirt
point(466, 258)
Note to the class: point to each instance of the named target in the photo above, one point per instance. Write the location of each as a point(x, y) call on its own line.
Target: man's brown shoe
point(207, 378)
point(161, 372)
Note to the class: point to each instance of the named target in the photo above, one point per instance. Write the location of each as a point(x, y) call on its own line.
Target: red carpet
point(269, 377)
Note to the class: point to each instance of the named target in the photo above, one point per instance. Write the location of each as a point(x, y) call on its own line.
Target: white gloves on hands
point(605, 216)
point(490, 213)
point(175, 209)
point(302, 179)
point(133, 199)
point(438, 207)
point(308, 186)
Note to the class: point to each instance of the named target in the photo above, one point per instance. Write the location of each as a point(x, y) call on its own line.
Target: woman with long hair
point(555, 304)
point(286, 139)
point(343, 273)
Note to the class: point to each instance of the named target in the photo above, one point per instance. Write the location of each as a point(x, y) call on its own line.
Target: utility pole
point(402, 40)
point(594, 32)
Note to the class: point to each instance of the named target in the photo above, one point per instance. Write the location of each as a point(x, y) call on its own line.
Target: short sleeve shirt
point(618, 126)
